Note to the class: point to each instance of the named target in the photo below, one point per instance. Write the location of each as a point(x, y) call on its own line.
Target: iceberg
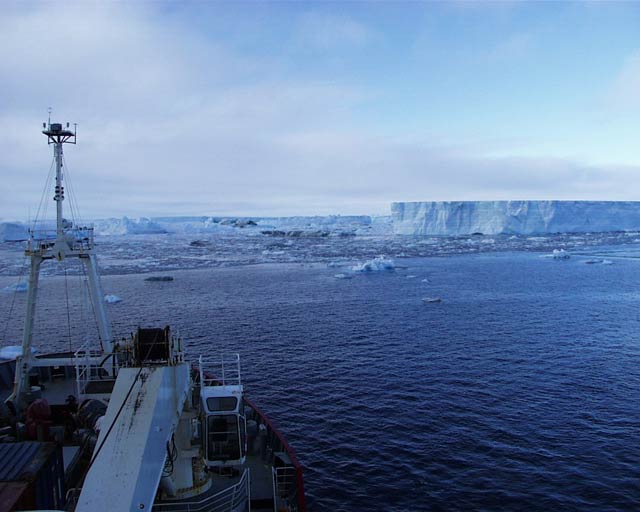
point(513, 217)
point(560, 254)
point(13, 351)
point(302, 226)
point(13, 232)
point(127, 226)
point(379, 264)
point(112, 299)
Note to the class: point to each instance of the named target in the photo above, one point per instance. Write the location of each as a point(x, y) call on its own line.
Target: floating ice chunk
point(379, 264)
point(410, 277)
point(425, 280)
point(159, 278)
point(13, 351)
point(560, 254)
point(342, 275)
point(432, 300)
point(18, 287)
point(112, 299)
point(598, 262)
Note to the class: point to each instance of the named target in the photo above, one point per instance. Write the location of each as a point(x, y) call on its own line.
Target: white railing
point(83, 368)
point(86, 368)
point(231, 499)
point(284, 483)
point(80, 238)
point(222, 370)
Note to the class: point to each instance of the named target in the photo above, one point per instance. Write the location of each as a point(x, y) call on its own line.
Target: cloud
point(173, 121)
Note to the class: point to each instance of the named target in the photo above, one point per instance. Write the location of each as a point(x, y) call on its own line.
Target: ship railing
point(79, 238)
point(90, 367)
point(72, 497)
point(233, 498)
point(225, 368)
point(285, 496)
point(276, 448)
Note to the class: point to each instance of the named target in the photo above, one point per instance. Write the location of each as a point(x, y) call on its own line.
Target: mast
point(70, 241)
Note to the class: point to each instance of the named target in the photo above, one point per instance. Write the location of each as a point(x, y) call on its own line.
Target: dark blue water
point(519, 392)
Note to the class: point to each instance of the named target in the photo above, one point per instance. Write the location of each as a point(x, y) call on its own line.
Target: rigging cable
point(73, 203)
point(66, 292)
point(13, 298)
point(42, 197)
point(93, 308)
point(113, 423)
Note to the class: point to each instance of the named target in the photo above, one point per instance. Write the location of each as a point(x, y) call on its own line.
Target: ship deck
point(57, 383)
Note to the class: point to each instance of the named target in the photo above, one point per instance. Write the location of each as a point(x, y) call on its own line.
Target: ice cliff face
point(519, 217)
point(127, 226)
point(13, 232)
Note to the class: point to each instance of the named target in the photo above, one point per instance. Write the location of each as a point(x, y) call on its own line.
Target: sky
point(315, 108)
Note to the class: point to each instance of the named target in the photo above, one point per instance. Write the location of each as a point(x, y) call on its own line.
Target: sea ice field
point(409, 373)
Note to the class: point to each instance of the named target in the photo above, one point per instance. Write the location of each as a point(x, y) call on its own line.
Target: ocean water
point(519, 391)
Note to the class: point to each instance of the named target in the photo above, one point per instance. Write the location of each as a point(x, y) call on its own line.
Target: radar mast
point(69, 242)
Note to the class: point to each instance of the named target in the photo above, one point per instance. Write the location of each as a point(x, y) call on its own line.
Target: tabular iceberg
point(517, 217)
point(13, 232)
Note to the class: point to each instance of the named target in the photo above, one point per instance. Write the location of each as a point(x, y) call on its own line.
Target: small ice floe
point(560, 254)
point(13, 351)
point(598, 262)
point(425, 280)
point(112, 299)
point(410, 277)
point(342, 275)
point(432, 300)
point(199, 243)
point(379, 264)
point(16, 288)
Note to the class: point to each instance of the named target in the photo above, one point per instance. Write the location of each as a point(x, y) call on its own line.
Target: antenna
point(58, 136)
point(49, 110)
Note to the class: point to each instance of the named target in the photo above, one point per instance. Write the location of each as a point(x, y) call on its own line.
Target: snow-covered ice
point(379, 264)
point(13, 351)
point(112, 299)
point(560, 254)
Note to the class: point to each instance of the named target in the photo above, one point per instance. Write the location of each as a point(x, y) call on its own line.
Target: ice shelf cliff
point(518, 217)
